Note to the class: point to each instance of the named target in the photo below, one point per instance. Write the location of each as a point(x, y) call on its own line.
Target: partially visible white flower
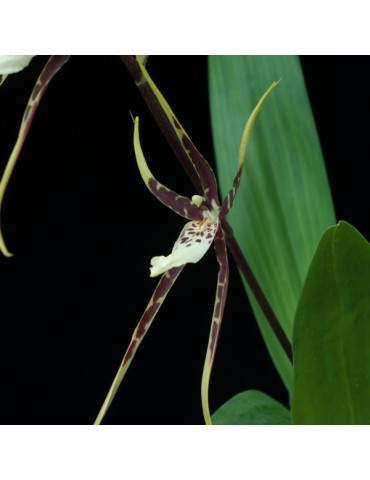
point(14, 63)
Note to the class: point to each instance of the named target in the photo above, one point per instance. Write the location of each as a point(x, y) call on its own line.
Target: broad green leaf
point(284, 202)
point(331, 341)
point(251, 408)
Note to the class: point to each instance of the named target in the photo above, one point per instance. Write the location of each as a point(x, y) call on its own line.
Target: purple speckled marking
point(37, 89)
point(214, 336)
point(158, 297)
point(130, 351)
point(229, 200)
point(26, 113)
point(221, 291)
point(205, 172)
point(176, 123)
point(148, 315)
point(181, 205)
point(52, 66)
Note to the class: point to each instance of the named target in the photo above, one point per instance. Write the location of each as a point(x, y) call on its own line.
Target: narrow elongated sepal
point(2, 79)
point(161, 119)
point(53, 65)
point(159, 295)
point(179, 204)
point(218, 311)
point(192, 244)
point(201, 166)
point(229, 200)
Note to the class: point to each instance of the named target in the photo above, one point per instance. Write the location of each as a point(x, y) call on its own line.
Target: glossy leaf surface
point(331, 342)
point(251, 408)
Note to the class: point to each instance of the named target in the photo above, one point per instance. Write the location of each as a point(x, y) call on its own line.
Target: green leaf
point(251, 408)
point(284, 202)
point(331, 341)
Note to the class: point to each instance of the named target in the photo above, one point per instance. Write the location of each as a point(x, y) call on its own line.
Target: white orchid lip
point(195, 239)
point(14, 63)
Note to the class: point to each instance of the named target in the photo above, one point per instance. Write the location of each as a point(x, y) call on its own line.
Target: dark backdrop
point(83, 228)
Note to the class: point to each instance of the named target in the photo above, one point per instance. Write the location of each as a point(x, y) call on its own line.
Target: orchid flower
point(205, 214)
point(12, 64)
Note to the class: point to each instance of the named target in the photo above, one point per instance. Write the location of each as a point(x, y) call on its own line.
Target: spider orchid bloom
point(13, 64)
point(204, 228)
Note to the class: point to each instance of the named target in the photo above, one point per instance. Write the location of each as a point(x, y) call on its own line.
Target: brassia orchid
point(205, 214)
point(12, 64)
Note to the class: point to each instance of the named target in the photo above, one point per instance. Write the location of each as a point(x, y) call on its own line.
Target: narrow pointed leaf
point(158, 297)
point(53, 65)
point(218, 311)
point(284, 203)
point(331, 341)
point(179, 204)
point(2, 79)
point(251, 408)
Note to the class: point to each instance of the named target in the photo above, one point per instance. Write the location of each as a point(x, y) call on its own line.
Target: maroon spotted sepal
point(161, 119)
point(193, 162)
point(179, 204)
point(206, 174)
point(229, 200)
point(218, 311)
point(158, 297)
point(53, 65)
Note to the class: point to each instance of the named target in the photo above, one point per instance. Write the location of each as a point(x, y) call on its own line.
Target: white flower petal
point(195, 239)
point(13, 63)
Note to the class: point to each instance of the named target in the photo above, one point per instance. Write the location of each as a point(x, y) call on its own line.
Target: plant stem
point(253, 284)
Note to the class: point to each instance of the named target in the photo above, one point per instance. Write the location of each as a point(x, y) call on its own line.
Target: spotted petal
point(14, 63)
point(194, 241)
point(218, 311)
point(179, 204)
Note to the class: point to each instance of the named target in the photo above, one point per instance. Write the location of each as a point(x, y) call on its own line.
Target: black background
point(83, 228)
